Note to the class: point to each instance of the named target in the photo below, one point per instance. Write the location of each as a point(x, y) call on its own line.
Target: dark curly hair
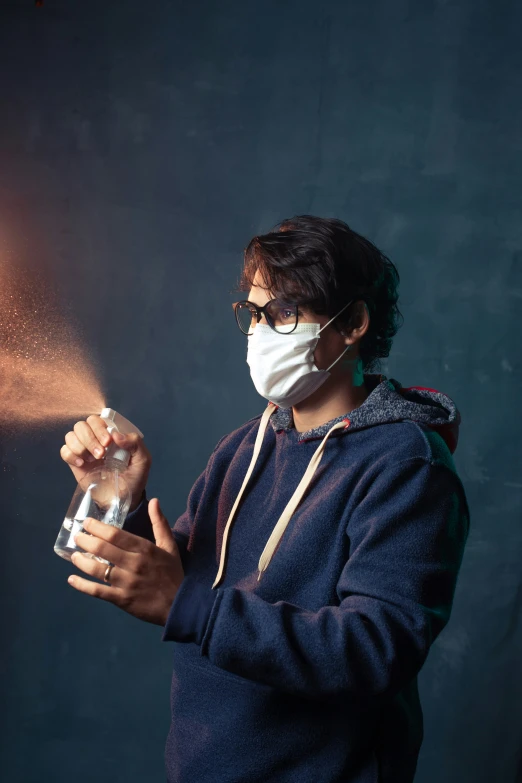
point(321, 263)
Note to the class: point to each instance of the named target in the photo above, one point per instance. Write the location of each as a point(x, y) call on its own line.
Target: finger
point(88, 439)
point(119, 539)
point(100, 548)
point(130, 442)
point(99, 428)
point(67, 455)
point(114, 595)
point(76, 447)
point(97, 569)
point(162, 533)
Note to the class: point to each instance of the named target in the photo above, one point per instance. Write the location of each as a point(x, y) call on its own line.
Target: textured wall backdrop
point(142, 144)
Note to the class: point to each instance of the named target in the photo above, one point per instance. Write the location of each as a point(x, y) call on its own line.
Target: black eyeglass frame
point(260, 311)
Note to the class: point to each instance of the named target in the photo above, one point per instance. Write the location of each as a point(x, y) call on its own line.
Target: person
point(317, 558)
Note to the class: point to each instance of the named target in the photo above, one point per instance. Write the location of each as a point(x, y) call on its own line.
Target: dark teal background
point(142, 144)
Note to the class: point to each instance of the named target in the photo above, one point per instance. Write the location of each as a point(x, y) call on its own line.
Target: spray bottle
point(102, 493)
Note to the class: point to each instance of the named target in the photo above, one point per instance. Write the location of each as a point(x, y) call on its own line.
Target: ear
point(361, 318)
point(346, 340)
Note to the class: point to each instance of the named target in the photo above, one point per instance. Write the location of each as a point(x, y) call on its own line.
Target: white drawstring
point(284, 519)
point(257, 448)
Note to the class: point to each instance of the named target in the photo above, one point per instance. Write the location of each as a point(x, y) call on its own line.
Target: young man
point(320, 547)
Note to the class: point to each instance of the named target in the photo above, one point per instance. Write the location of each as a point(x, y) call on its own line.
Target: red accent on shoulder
point(420, 388)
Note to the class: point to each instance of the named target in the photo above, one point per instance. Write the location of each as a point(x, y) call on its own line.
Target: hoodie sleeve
point(139, 522)
point(407, 535)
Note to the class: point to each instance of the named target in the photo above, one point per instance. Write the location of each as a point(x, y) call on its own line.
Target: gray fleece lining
point(384, 404)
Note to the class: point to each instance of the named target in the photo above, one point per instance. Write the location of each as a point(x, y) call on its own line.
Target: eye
point(281, 315)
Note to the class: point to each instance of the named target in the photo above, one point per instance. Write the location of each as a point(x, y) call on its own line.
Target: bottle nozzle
point(120, 424)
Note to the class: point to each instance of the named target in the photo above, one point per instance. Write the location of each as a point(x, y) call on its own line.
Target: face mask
point(282, 366)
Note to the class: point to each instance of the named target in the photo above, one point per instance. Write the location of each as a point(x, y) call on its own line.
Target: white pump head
point(119, 423)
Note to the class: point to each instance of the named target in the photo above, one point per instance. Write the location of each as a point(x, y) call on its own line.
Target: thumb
point(161, 529)
point(129, 442)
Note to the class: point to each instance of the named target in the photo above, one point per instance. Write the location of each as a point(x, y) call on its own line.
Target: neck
point(341, 393)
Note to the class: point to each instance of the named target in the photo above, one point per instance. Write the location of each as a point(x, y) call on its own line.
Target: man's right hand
point(90, 435)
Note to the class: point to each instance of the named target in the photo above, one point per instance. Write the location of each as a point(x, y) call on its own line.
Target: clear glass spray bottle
point(101, 494)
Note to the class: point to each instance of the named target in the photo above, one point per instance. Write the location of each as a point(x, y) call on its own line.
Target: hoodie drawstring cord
point(257, 448)
point(284, 519)
point(280, 527)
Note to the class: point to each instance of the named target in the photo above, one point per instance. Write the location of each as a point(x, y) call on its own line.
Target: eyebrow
point(252, 301)
point(249, 300)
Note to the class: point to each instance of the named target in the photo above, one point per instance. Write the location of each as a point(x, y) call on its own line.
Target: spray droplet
point(46, 375)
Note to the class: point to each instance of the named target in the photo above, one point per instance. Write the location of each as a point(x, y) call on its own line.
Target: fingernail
point(78, 462)
point(98, 452)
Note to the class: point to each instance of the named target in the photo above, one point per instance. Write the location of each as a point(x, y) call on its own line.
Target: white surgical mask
point(282, 366)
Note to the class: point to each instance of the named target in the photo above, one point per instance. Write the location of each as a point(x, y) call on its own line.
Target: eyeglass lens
point(280, 316)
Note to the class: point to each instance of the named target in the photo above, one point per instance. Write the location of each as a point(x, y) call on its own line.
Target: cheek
point(319, 357)
point(327, 351)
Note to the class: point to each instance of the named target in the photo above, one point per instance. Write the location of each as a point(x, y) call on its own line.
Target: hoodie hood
point(389, 401)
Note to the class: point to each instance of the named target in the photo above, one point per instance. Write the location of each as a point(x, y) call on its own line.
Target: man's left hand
point(145, 577)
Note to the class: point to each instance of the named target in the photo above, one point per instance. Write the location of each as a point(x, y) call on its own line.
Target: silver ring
point(108, 573)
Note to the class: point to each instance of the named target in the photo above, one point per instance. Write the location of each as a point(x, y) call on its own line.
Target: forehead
point(258, 293)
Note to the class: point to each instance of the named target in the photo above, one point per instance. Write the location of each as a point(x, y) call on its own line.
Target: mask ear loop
point(339, 357)
point(327, 324)
point(335, 316)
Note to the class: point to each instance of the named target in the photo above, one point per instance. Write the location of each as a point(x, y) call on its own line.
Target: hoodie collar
point(388, 401)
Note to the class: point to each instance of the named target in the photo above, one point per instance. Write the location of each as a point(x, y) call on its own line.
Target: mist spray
point(102, 493)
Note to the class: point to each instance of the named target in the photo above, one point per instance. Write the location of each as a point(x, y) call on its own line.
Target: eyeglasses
point(281, 317)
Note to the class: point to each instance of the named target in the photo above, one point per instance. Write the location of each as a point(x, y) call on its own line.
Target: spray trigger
point(118, 423)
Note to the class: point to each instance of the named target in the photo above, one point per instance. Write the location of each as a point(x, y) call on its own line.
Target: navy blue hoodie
point(308, 673)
